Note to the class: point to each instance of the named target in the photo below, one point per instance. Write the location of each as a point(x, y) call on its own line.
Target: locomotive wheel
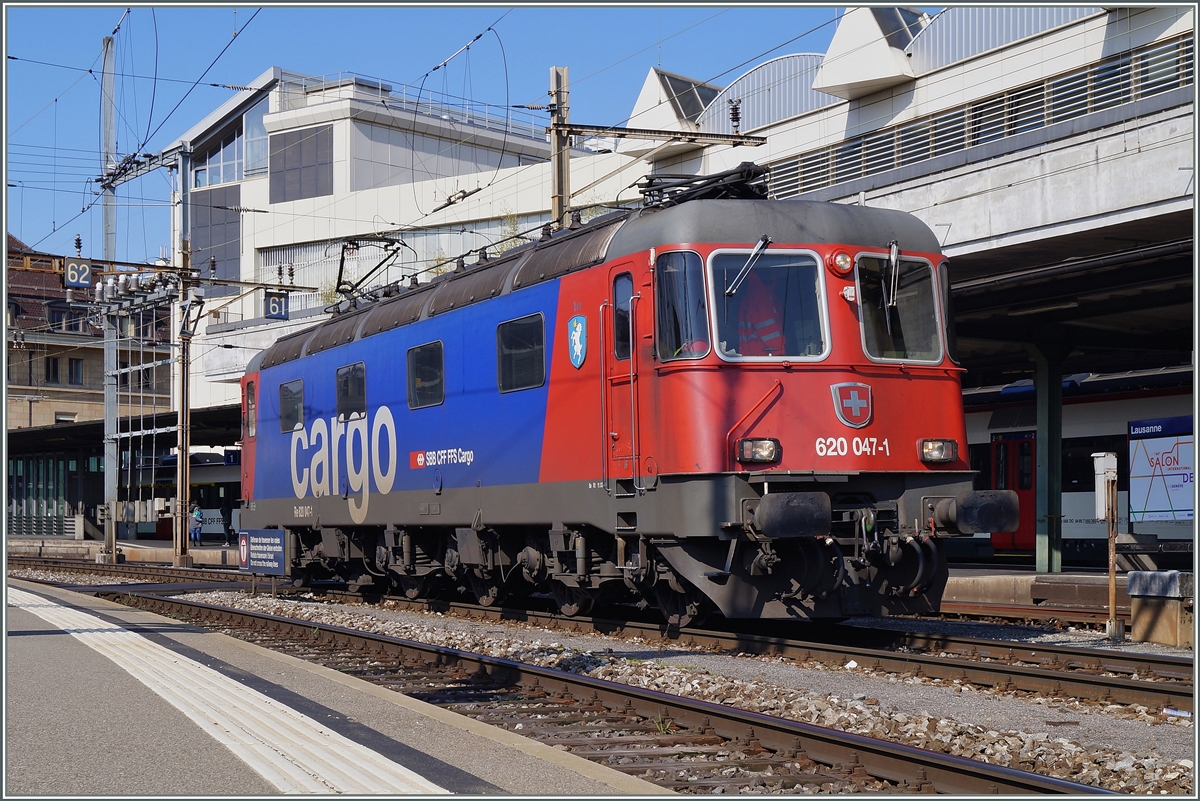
point(414, 587)
point(680, 609)
point(572, 601)
point(486, 589)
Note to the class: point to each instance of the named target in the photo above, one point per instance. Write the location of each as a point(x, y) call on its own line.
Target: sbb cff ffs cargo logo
point(852, 402)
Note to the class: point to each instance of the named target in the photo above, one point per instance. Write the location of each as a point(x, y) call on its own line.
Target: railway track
point(1104, 675)
point(682, 744)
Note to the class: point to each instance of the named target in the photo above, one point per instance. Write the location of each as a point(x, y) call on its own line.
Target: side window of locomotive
point(948, 311)
point(899, 311)
point(682, 306)
point(250, 423)
point(768, 308)
point(521, 353)
point(622, 298)
point(352, 391)
point(426, 372)
point(291, 405)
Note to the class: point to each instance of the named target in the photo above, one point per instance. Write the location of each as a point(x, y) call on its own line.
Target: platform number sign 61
point(77, 274)
point(276, 305)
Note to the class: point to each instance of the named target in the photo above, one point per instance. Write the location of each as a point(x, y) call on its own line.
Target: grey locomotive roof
point(800, 222)
point(793, 221)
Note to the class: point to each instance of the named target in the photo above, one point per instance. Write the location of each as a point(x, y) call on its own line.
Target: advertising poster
point(1161, 469)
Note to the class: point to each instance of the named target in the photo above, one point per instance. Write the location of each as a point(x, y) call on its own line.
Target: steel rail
point(1053, 670)
point(1048, 670)
point(885, 760)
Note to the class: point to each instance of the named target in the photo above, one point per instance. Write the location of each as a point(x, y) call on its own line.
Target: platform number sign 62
point(276, 305)
point(77, 274)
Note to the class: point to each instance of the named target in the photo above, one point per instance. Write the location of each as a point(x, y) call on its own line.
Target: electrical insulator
point(110, 288)
point(123, 285)
point(279, 272)
point(78, 245)
point(735, 114)
point(99, 291)
point(291, 274)
point(412, 281)
point(576, 220)
point(212, 268)
point(545, 232)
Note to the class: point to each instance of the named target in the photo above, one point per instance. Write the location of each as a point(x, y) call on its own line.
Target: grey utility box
point(1161, 606)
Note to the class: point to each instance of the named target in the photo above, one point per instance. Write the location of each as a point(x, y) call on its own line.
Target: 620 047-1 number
point(859, 446)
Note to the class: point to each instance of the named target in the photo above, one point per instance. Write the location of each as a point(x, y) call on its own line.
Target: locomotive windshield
point(682, 311)
point(899, 310)
point(775, 310)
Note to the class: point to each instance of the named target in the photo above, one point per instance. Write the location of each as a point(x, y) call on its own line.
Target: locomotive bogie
point(610, 420)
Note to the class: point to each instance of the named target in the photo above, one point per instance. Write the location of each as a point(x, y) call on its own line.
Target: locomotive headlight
point(758, 450)
point(840, 262)
point(938, 450)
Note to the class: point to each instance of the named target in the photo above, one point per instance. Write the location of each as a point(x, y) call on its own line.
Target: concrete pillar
point(1047, 381)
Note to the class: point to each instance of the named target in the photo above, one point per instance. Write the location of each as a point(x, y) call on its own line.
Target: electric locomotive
point(714, 402)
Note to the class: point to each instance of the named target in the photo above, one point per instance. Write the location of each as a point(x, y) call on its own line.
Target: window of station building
point(426, 371)
point(291, 405)
point(250, 421)
point(51, 370)
point(521, 353)
point(682, 314)
point(301, 164)
point(220, 164)
point(622, 298)
point(256, 150)
point(352, 391)
point(75, 371)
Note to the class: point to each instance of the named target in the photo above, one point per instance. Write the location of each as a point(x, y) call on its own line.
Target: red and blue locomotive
point(716, 401)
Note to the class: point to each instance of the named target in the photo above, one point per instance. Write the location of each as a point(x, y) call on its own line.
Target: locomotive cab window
point(425, 376)
point(250, 413)
point(899, 310)
point(622, 298)
point(521, 353)
point(352, 391)
point(682, 309)
point(291, 405)
point(769, 306)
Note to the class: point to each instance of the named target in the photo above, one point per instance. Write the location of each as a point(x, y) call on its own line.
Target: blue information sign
point(263, 551)
point(77, 273)
point(275, 306)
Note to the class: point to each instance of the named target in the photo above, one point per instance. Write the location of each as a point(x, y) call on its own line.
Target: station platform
point(981, 585)
point(105, 700)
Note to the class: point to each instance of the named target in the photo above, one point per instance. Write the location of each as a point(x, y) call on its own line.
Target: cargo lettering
point(318, 453)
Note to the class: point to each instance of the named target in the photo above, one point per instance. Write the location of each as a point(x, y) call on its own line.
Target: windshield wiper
point(892, 283)
point(741, 276)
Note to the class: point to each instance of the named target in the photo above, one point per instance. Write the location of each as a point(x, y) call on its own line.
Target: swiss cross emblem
point(852, 402)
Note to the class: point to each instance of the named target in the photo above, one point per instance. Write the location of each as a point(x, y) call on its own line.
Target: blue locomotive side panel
point(476, 434)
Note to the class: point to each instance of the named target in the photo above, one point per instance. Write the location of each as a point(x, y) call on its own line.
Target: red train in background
point(715, 402)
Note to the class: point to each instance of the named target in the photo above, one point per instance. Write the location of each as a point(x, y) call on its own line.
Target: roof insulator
point(576, 220)
point(545, 233)
point(412, 281)
point(461, 265)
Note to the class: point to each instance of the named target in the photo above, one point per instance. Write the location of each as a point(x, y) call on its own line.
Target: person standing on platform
point(197, 518)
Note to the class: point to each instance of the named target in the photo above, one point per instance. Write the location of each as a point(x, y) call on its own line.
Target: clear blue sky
point(52, 109)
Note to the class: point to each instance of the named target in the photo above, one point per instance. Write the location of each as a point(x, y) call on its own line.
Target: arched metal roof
point(777, 90)
point(957, 34)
